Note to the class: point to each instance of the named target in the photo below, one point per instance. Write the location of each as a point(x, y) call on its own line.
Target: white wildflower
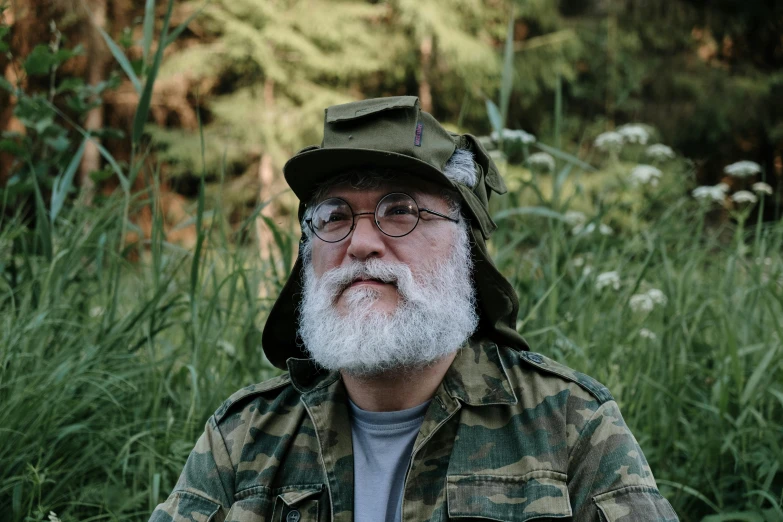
point(574, 217)
point(227, 347)
point(53, 517)
point(514, 135)
point(587, 270)
point(645, 175)
point(578, 261)
point(542, 161)
point(724, 187)
point(641, 303)
point(634, 133)
point(96, 311)
point(708, 193)
point(762, 188)
point(644, 333)
point(605, 279)
point(744, 196)
point(609, 141)
point(742, 169)
point(524, 137)
point(657, 296)
point(660, 152)
point(580, 229)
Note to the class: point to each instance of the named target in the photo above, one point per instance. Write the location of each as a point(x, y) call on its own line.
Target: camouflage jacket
point(508, 436)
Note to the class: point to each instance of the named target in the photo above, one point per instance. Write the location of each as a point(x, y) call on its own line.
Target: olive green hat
point(396, 133)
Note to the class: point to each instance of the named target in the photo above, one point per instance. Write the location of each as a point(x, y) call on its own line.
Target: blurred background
point(146, 228)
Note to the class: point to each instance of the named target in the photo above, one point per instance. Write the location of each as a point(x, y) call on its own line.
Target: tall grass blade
point(495, 119)
point(759, 372)
point(507, 78)
point(565, 156)
point(527, 211)
point(121, 59)
point(42, 226)
point(184, 25)
point(64, 182)
point(149, 27)
point(558, 111)
point(124, 183)
point(143, 109)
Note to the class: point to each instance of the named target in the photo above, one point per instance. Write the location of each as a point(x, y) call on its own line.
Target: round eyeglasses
point(396, 215)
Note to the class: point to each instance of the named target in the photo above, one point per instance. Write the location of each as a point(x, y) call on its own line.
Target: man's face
point(430, 242)
point(374, 303)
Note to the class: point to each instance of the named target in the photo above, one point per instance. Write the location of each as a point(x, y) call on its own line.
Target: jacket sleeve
point(205, 488)
point(609, 478)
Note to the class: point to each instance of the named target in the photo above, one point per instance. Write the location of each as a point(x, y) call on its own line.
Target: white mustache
point(338, 279)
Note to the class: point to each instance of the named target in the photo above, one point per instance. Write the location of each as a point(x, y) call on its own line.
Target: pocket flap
point(350, 111)
point(538, 494)
point(635, 504)
point(296, 494)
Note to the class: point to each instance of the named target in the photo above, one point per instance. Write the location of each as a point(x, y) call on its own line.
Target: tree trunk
point(425, 92)
point(96, 63)
point(265, 178)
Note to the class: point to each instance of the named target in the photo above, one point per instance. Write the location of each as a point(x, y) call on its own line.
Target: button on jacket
point(508, 436)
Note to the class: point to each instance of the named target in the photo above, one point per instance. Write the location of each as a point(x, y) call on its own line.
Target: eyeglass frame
point(309, 221)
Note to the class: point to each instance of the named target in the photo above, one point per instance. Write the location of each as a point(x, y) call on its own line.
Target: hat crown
point(395, 124)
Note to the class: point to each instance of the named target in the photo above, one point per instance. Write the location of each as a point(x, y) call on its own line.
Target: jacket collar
point(476, 377)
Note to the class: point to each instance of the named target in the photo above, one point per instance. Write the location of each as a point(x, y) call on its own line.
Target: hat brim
point(306, 171)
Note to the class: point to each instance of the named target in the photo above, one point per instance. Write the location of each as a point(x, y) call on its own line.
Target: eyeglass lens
point(396, 215)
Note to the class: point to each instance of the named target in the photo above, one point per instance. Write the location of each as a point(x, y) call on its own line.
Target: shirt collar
point(476, 377)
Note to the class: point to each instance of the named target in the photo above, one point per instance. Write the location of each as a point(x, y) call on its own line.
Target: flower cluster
point(645, 175)
point(574, 217)
point(609, 141)
point(580, 229)
point(645, 303)
point(634, 133)
point(514, 135)
point(607, 279)
point(743, 169)
point(542, 161)
point(762, 188)
point(660, 152)
point(708, 193)
point(644, 333)
point(744, 196)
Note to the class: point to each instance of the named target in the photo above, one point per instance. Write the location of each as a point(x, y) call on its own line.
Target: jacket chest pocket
point(286, 504)
point(538, 495)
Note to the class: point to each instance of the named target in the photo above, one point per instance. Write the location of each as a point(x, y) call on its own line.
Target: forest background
point(146, 227)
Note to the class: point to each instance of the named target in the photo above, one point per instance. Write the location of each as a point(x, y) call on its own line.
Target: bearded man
point(409, 395)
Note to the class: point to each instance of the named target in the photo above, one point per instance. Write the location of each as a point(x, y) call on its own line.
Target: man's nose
point(366, 240)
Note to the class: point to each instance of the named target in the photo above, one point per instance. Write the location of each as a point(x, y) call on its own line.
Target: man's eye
point(400, 210)
point(335, 217)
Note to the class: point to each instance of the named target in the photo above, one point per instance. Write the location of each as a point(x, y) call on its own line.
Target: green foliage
point(109, 367)
point(42, 59)
point(47, 153)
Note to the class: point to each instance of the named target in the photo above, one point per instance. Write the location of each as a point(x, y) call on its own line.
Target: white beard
point(435, 314)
